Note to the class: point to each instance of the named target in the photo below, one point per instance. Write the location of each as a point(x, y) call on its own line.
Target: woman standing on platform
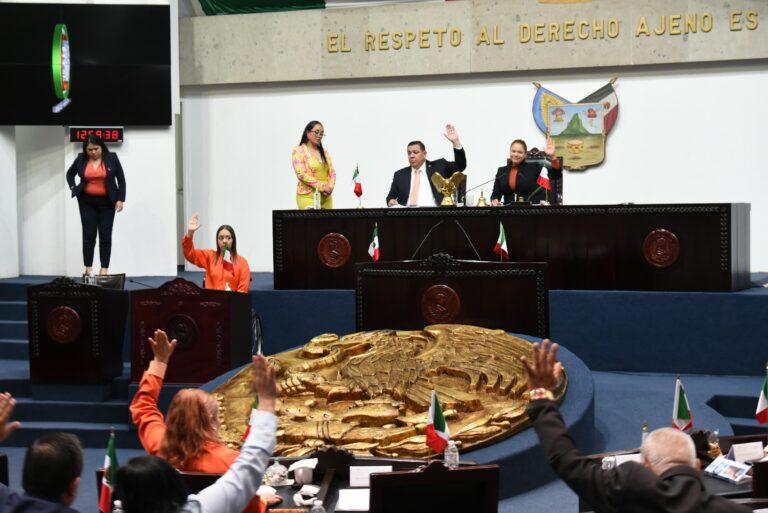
point(313, 168)
point(224, 268)
point(188, 437)
point(519, 178)
point(100, 193)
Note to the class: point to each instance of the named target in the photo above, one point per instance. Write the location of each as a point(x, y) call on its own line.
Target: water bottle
point(451, 455)
point(317, 507)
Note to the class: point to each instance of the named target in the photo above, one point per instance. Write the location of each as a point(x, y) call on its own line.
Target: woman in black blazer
point(100, 193)
point(519, 179)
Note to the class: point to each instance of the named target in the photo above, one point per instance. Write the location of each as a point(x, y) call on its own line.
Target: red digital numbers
point(106, 134)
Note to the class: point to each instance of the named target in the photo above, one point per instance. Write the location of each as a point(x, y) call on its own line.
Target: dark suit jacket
point(628, 488)
point(115, 181)
point(525, 185)
point(401, 181)
point(12, 502)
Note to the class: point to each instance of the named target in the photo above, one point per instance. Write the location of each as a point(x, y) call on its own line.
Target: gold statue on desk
point(448, 187)
point(369, 392)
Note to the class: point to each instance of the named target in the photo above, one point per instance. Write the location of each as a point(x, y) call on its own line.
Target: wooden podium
point(212, 328)
point(413, 294)
point(76, 332)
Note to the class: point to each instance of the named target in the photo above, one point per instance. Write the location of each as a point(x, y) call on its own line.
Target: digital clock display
point(106, 134)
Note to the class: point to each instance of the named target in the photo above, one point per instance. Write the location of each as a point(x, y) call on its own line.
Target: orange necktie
point(413, 199)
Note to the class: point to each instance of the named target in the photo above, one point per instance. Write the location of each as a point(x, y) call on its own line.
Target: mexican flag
point(501, 244)
point(682, 418)
point(543, 179)
point(108, 481)
point(358, 186)
point(437, 430)
point(606, 95)
point(762, 404)
point(373, 249)
point(254, 408)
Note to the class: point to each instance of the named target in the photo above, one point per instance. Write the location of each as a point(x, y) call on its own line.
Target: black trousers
point(96, 213)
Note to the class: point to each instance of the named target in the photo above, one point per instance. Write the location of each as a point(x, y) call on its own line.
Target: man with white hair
point(668, 481)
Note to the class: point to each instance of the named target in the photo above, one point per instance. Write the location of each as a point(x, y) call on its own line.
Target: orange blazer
point(216, 457)
point(215, 275)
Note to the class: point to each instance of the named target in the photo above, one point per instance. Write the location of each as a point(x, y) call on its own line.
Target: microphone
point(478, 186)
point(468, 239)
point(131, 280)
point(426, 237)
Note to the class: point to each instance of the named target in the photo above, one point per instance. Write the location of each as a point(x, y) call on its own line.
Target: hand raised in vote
point(543, 370)
point(193, 225)
point(161, 347)
point(264, 382)
point(549, 149)
point(7, 404)
point(452, 135)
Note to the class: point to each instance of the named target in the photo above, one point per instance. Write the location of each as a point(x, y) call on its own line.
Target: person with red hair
point(188, 437)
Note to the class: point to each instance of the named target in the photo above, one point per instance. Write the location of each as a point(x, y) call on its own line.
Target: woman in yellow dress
point(313, 168)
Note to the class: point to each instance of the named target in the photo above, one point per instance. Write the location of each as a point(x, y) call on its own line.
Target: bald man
point(668, 480)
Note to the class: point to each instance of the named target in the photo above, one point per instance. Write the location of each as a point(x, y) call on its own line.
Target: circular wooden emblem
point(334, 250)
point(63, 325)
point(183, 328)
point(661, 248)
point(440, 304)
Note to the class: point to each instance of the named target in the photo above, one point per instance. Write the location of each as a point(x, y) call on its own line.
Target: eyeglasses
point(318, 134)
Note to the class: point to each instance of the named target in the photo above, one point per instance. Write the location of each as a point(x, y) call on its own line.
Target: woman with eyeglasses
point(313, 168)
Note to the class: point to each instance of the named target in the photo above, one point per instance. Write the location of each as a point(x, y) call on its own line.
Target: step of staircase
point(106, 412)
point(91, 434)
point(13, 310)
point(13, 329)
point(746, 426)
point(14, 349)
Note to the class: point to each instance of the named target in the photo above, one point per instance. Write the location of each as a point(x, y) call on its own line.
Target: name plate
point(746, 453)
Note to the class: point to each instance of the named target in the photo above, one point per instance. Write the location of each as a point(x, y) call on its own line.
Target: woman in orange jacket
point(188, 437)
point(224, 268)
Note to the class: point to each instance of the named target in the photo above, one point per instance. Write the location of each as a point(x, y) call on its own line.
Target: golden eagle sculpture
point(448, 187)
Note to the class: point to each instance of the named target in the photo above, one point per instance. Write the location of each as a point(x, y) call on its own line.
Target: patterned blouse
point(306, 173)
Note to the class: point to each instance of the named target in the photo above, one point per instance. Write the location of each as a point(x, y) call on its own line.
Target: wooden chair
point(436, 488)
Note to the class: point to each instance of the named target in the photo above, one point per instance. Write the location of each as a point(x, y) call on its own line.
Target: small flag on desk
point(254, 408)
point(358, 185)
point(501, 244)
point(762, 404)
point(437, 430)
point(543, 179)
point(108, 480)
point(373, 249)
point(227, 261)
point(682, 418)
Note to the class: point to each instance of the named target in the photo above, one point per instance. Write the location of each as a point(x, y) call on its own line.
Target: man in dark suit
point(413, 185)
point(668, 480)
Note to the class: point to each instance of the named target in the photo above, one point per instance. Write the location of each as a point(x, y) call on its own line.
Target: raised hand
point(193, 225)
point(452, 135)
point(161, 347)
point(264, 382)
point(7, 404)
point(543, 370)
point(549, 149)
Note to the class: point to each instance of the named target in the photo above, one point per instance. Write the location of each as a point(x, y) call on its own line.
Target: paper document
point(360, 477)
point(353, 499)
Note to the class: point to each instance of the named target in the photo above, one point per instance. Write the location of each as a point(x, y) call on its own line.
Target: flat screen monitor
point(85, 64)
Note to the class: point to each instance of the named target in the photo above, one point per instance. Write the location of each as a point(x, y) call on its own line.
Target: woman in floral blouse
point(313, 168)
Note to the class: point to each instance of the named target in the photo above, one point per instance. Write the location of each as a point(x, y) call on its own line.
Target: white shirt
point(426, 199)
point(235, 489)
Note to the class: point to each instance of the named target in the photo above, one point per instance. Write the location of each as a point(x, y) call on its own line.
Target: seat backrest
point(436, 488)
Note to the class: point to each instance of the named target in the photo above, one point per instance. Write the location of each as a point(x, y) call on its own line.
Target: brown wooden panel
point(76, 332)
point(212, 328)
point(438, 290)
point(586, 247)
